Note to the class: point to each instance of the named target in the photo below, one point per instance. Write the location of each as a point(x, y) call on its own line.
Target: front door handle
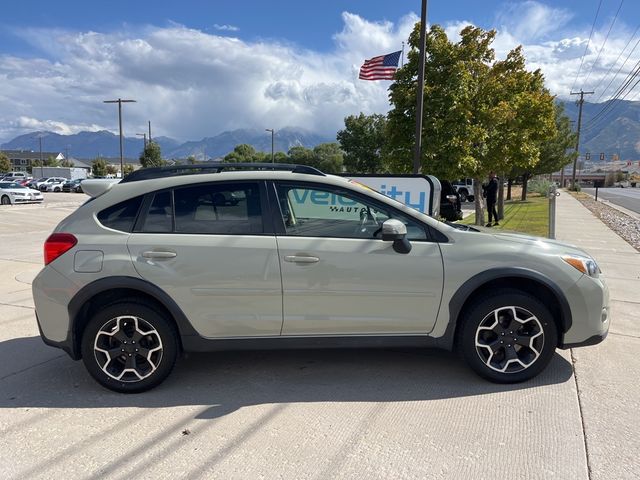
point(159, 254)
point(301, 259)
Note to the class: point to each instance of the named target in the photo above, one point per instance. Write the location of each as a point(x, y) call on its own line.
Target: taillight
point(56, 245)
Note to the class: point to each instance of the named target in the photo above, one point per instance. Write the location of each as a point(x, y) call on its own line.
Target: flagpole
point(417, 163)
point(402, 55)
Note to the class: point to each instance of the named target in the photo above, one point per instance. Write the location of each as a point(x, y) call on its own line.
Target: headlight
point(586, 265)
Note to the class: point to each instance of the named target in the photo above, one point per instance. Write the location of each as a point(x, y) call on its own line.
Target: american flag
point(380, 68)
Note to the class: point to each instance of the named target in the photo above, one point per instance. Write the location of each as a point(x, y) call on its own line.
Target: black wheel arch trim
point(467, 288)
point(119, 282)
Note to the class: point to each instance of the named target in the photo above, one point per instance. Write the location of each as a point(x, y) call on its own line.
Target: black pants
point(491, 207)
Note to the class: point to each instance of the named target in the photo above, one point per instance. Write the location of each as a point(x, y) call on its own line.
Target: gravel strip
point(624, 225)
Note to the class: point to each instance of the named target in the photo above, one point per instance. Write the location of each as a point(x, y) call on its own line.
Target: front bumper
point(589, 303)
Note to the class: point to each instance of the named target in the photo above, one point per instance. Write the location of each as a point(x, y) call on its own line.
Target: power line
point(611, 102)
point(593, 26)
point(615, 63)
point(604, 43)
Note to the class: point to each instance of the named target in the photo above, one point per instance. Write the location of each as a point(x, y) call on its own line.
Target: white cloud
point(192, 84)
point(227, 28)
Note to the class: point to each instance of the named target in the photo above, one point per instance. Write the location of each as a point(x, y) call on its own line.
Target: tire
point(497, 351)
point(56, 189)
point(5, 200)
point(116, 329)
point(463, 195)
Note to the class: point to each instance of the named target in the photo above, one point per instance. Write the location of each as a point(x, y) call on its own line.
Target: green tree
point(556, 151)
point(66, 163)
point(112, 170)
point(480, 115)
point(362, 141)
point(246, 153)
point(191, 160)
point(5, 164)
point(151, 156)
point(329, 157)
point(99, 167)
point(51, 162)
point(326, 157)
point(128, 168)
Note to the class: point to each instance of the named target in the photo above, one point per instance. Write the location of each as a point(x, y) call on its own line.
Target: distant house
point(22, 160)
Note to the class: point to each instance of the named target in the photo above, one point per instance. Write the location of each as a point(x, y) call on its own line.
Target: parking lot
point(316, 414)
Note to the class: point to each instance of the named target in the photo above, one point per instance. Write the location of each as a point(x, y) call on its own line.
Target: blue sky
point(201, 67)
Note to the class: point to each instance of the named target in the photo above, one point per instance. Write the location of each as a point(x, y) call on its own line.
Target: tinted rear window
point(121, 216)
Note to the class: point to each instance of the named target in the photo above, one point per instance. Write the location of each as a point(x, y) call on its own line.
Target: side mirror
point(395, 231)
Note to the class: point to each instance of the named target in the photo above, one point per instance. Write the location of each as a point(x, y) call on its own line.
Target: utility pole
point(420, 90)
point(562, 169)
point(149, 130)
point(145, 138)
point(272, 132)
point(575, 160)
point(120, 101)
point(40, 141)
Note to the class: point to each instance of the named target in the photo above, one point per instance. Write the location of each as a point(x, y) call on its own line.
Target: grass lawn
point(530, 217)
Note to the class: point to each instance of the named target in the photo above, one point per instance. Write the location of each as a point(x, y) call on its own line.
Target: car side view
point(264, 256)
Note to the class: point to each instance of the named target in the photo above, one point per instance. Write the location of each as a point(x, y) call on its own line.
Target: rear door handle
point(301, 259)
point(159, 254)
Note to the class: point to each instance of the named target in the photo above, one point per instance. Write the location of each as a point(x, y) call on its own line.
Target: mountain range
point(89, 145)
point(615, 131)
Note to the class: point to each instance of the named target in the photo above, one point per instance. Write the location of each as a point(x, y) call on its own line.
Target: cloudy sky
point(197, 68)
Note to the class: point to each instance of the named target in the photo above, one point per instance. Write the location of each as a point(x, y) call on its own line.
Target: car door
point(209, 247)
point(340, 278)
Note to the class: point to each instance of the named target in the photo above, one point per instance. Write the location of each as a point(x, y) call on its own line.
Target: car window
point(159, 218)
point(221, 208)
point(121, 216)
point(325, 212)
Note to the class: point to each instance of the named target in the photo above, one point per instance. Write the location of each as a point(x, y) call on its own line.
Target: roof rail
point(214, 167)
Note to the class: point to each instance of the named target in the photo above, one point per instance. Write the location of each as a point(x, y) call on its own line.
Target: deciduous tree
point(5, 164)
point(362, 140)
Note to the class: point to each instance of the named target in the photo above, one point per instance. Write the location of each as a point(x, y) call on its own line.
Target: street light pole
point(145, 138)
point(120, 101)
point(272, 132)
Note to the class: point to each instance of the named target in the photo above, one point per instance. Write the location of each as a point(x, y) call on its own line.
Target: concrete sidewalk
point(612, 434)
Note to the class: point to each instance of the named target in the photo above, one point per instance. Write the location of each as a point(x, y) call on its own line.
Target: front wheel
point(129, 347)
point(463, 195)
point(508, 336)
point(5, 200)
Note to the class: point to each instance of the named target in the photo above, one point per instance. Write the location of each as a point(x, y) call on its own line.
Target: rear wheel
point(508, 337)
point(5, 200)
point(463, 195)
point(129, 347)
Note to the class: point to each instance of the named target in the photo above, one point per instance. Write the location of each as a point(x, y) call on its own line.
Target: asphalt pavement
point(628, 198)
point(371, 414)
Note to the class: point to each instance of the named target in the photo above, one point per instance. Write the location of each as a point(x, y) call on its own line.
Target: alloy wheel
point(128, 348)
point(509, 339)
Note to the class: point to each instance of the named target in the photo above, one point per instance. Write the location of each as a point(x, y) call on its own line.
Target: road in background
point(628, 198)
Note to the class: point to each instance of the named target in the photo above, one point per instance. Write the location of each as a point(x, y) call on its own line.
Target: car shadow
point(227, 381)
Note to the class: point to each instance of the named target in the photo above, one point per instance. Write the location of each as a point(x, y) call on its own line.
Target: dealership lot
point(317, 414)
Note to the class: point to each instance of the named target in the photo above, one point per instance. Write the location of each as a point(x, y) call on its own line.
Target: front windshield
point(10, 185)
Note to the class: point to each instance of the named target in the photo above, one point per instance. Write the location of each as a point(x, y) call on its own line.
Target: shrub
point(540, 186)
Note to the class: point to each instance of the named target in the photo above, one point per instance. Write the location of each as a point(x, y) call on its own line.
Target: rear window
point(121, 216)
point(218, 208)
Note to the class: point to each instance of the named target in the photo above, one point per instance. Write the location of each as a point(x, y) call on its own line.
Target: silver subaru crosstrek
point(245, 256)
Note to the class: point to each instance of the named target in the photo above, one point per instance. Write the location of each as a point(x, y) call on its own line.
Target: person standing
point(492, 197)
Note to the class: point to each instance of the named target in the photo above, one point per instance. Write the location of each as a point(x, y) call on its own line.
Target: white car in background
point(44, 186)
point(12, 193)
point(55, 185)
